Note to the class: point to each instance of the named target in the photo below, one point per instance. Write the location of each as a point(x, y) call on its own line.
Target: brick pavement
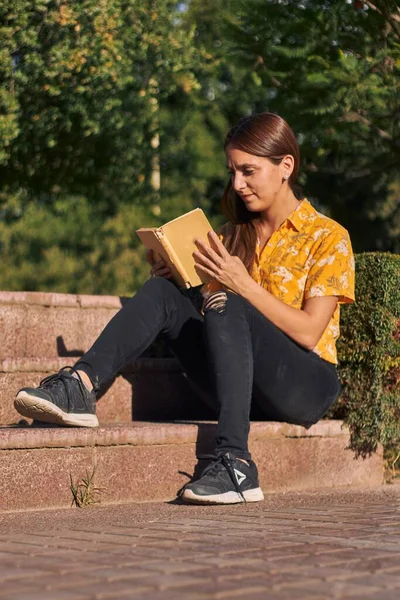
point(291, 547)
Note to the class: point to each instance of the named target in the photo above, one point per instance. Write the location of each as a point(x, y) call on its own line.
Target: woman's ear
point(287, 166)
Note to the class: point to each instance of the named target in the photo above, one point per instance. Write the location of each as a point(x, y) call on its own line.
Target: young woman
point(269, 323)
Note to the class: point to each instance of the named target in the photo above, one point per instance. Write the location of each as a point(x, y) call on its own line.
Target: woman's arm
point(304, 326)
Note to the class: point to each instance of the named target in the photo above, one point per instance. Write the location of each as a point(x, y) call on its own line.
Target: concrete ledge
point(151, 461)
point(149, 434)
point(62, 300)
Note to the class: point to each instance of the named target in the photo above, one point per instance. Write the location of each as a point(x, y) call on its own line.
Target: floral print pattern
point(309, 255)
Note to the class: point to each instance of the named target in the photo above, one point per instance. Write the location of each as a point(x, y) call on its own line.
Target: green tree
point(194, 124)
point(82, 83)
point(67, 247)
point(332, 70)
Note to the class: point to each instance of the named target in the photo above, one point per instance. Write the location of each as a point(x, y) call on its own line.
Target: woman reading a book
point(266, 334)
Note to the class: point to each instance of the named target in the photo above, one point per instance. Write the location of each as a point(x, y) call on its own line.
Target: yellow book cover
point(174, 242)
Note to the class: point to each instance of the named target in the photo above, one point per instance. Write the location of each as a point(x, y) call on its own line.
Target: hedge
point(369, 356)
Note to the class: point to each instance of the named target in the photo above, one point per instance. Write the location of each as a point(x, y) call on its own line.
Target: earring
point(286, 177)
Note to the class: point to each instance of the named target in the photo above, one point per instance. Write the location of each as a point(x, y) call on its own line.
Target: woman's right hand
point(158, 267)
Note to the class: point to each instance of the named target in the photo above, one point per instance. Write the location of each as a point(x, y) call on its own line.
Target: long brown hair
point(267, 135)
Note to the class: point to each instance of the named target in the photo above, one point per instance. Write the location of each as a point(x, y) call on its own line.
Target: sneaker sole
point(43, 410)
point(254, 495)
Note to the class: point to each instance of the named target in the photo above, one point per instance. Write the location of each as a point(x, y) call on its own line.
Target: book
point(174, 242)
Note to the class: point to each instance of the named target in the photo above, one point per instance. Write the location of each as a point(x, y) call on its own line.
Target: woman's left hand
point(216, 262)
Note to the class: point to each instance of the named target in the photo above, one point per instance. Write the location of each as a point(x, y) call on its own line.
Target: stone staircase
point(151, 423)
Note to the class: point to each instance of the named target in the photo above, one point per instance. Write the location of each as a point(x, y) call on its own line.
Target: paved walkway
point(292, 546)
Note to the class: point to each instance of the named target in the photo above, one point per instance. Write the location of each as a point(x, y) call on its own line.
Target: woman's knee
point(159, 286)
point(156, 290)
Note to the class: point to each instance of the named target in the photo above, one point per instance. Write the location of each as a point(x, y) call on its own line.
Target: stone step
point(149, 389)
point(42, 332)
point(36, 324)
point(140, 462)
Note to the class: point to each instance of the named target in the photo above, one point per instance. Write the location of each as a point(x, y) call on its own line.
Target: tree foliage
point(82, 83)
point(82, 80)
point(332, 70)
point(97, 96)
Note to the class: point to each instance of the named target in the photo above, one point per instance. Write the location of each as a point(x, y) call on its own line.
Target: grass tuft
point(84, 492)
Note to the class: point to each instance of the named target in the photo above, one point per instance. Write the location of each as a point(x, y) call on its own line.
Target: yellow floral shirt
point(309, 255)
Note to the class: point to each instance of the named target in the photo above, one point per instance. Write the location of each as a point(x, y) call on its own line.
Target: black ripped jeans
point(232, 356)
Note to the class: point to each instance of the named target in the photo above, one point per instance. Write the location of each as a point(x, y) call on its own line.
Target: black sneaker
point(61, 399)
point(227, 480)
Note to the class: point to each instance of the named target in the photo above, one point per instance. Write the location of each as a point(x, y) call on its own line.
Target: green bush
point(369, 357)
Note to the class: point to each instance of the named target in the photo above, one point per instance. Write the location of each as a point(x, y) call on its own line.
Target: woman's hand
point(220, 265)
point(158, 267)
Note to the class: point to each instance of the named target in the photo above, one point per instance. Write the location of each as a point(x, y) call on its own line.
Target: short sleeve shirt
point(309, 255)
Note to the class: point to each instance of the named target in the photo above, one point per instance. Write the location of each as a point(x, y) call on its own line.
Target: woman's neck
point(270, 220)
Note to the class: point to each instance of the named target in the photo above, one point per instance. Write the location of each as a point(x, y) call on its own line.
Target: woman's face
point(256, 179)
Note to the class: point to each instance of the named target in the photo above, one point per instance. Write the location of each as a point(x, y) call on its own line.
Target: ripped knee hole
point(216, 302)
